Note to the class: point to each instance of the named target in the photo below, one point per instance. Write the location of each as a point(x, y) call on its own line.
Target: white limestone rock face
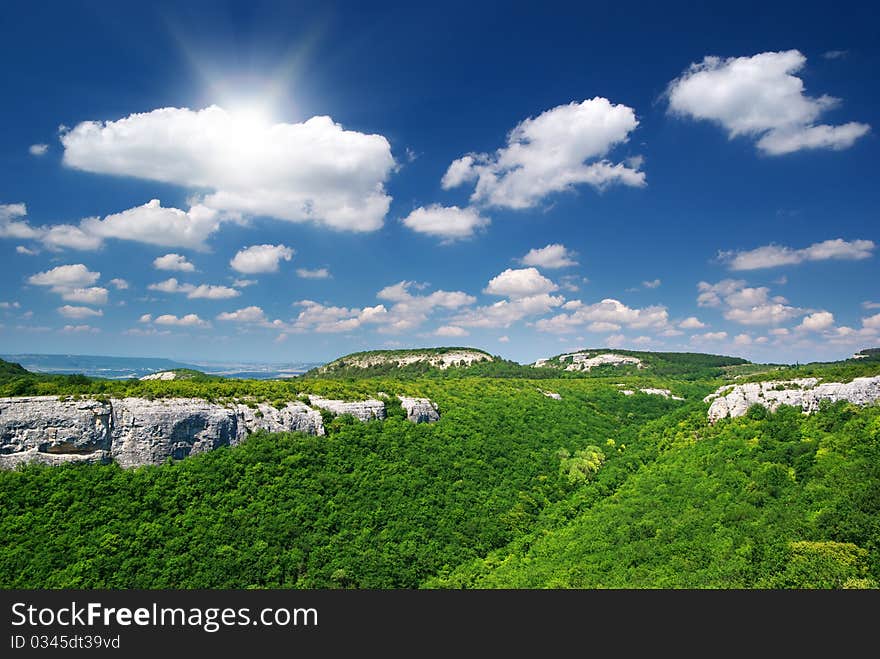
point(806, 393)
point(652, 392)
point(294, 416)
point(364, 410)
point(46, 427)
point(149, 431)
point(419, 410)
point(161, 375)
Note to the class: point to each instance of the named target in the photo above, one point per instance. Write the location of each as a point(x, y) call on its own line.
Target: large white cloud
point(760, 97)
point(558, 150)
point(65, 276)
point(771, 256)
point(447, 222)
point(258, 259)
point(524, 282)
point(551, 257)
point(310, 171)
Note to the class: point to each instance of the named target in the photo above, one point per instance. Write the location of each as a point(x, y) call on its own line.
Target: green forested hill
point(511, 488)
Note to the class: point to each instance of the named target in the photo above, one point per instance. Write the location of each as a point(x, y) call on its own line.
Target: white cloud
point(779, 331)
point(762, 314)
point(253, 314)
point(60, 236)
point(504, 339)
point(176, 262)
point(119, 284)
point(146, 318)
point(872, 322)
point(243, 283)
point(79, 312)
point(192, 291)
point(78, 329)
point(94, 295)
point(835, 54)
point(451, 330)
point(867, 304)
point(316, 317)
point(258, 259)
point(310, 171)
point(760, 97)
point(507, 312)
point(609, 311)
point(746, 305)
point(189, 320)
point(21, 249)
point(65, 276)
point(317, 273)
point(711, 294)
point(559, 149)
point(154, 225)
point(149, 331)
point(817, 322)
point(692, 322)
point(525, 282)
point(10, 224)
point(410, 311)
point(742, 340)
point(654, 283)
point(10, 305)
point(38, 149)
point(709, 336)
point(447, 222)
point(602, 326)
point(771, 256)
point(552, 256)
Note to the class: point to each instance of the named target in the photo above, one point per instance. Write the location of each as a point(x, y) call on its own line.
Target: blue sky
point(273, 182)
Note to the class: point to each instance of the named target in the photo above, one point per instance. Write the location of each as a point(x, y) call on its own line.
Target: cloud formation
point(551, 257)
point(259, 259)
point(311, 171)
point(760, 97)
point(773, 256)
point(192, 291)
point(525, 282)
point(173, 262)
point(558, 150)
point(446, 222)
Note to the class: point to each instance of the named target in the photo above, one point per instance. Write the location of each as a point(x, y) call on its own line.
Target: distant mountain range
point(121, 368)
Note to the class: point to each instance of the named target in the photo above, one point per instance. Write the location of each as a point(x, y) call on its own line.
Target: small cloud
point(38, 149)
point(119, 284)
point(870, 305)
point(504, 339)
point(692, 322)
point(243, 283)
point(173, 262)
point(78, 329)
point(258, 259)
point(835, 54)
point(69, 311)
point(551, 257)
point(318, 273)
point(451, 330)
point(21, 249)
point(772, 256)
point(654, 283)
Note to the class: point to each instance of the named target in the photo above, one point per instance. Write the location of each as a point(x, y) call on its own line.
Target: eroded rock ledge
point(136, 431)
point(806, 393)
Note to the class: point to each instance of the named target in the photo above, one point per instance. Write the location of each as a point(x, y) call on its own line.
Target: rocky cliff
point(806, 393)
point(137, 431)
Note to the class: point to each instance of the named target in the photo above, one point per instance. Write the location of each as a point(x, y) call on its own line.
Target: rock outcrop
point(419, 410)
point(551, 394)
point(365, 410)
point(806, 393)
point(137, 431)
point(652, 392)
point(584, 361)
point(161, 375)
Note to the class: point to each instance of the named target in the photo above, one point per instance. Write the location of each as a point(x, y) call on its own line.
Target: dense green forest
point(511, 488)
